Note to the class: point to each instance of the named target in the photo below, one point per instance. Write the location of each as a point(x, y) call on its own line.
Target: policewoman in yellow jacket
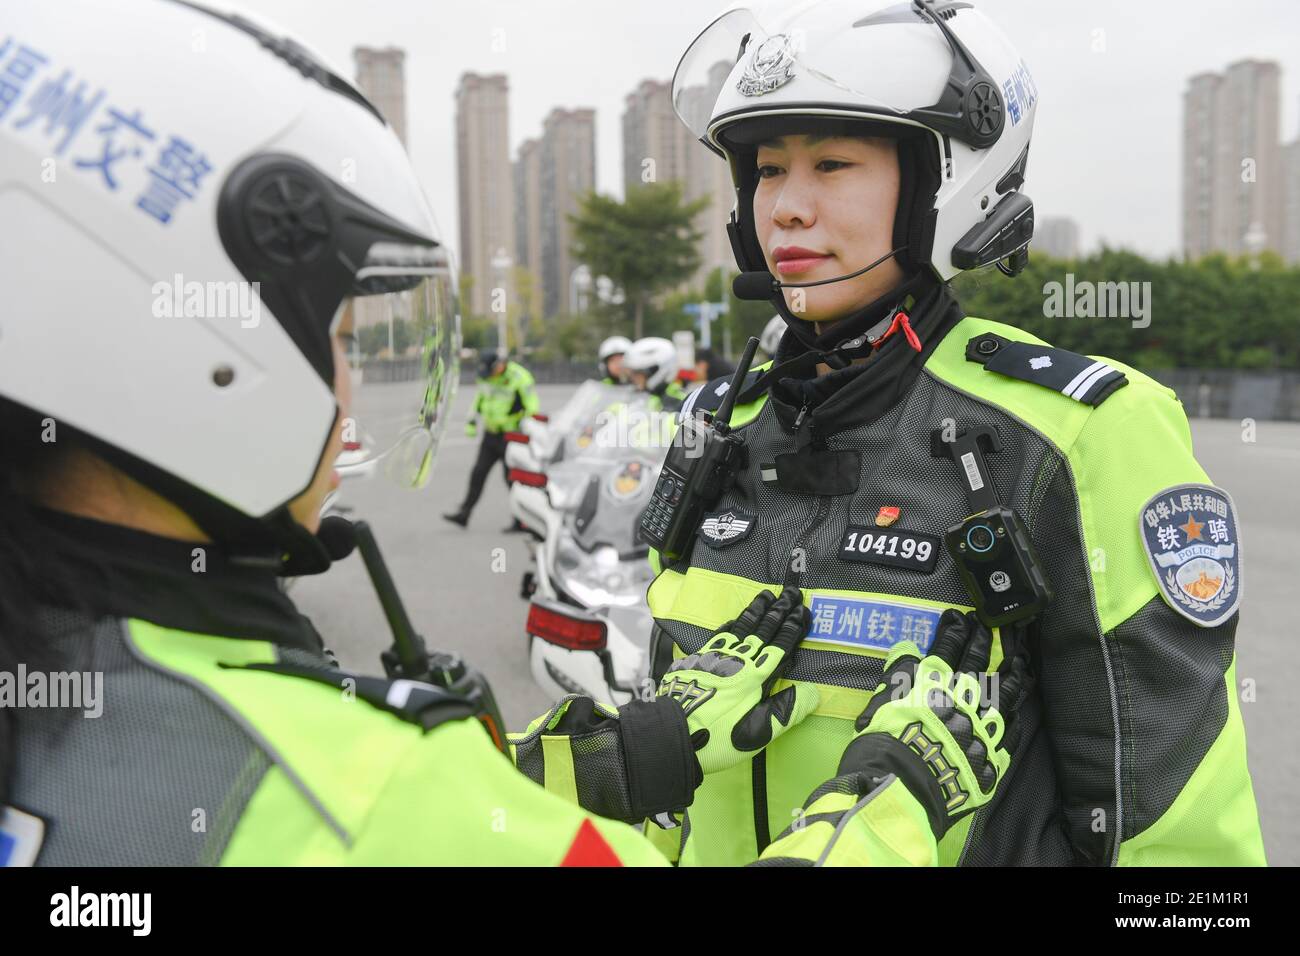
point(905, 463)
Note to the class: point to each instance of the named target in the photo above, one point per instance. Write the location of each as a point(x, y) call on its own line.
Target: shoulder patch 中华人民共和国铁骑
point(1190, 535)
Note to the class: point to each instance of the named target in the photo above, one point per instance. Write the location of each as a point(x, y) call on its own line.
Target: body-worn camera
point(701, 462)
point(991, 547)
point(998, 566)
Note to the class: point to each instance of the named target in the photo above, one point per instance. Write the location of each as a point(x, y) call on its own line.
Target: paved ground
point(464, 592)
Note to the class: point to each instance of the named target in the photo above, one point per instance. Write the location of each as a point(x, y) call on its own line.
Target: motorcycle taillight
point(556, 627)
point(534, 479)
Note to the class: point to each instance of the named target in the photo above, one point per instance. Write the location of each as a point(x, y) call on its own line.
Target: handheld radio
point(410, 659)
point(701, 463)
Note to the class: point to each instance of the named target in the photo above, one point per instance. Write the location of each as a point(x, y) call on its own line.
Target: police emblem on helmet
point(770, 66)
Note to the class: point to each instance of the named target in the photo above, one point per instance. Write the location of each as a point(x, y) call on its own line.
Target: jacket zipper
point(762, 833)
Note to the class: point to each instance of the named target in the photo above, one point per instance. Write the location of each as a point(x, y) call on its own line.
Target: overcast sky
point(1106, 147)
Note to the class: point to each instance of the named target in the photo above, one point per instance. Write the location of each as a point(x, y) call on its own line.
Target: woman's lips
point(793, 266)
point(791, 260)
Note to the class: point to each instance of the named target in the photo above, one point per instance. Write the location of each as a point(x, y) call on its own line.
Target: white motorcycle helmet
point(770, 340)
point(655, 358)
point(194, 202)
point(612, 346)
point(937, 76)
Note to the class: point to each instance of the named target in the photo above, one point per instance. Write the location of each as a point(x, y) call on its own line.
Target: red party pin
point(887, 516)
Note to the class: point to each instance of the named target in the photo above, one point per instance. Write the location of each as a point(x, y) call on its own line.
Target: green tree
point(1215, 312)
point(372, 338)
point(403, 336)
point(645, 244)
point(523, 309)
point(566, 337)
point(477, 332)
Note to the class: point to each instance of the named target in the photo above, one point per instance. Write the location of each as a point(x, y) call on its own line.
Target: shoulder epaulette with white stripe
point(1076, 376)
point(708, 398)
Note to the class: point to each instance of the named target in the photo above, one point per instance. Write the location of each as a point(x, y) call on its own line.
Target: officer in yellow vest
point(906, 463)
point(506, 396)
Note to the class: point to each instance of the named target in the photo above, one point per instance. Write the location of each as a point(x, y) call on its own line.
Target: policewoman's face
point(824, 207)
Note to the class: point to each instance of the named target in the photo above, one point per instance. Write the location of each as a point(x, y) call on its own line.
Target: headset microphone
point(759, 286)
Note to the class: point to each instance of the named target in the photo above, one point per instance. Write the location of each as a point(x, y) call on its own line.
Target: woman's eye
point(830, 165)
point(768, 171)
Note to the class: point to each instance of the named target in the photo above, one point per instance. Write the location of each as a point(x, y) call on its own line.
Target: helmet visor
point(703, 69)
point(404, 362)
point(842, 52)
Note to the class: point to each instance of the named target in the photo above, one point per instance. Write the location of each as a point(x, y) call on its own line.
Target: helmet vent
point(984, 109)
point(287, 220)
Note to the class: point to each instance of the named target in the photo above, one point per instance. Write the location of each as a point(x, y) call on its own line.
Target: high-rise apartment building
point(380, 75)
point(1232, 161)
point(485, 188)
point(568, 172)
point(528, 220)
point(658, 147)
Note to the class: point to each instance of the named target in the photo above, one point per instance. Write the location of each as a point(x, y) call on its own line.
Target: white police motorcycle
point(579, 483)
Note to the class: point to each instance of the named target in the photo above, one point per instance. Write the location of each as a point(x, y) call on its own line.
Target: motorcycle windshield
point(602, 491)
point(618, 442)
point(570, 430)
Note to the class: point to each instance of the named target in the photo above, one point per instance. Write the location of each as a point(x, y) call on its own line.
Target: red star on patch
point(1193, 528)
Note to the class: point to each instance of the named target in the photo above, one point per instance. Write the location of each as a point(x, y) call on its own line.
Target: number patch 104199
point(892, 546)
